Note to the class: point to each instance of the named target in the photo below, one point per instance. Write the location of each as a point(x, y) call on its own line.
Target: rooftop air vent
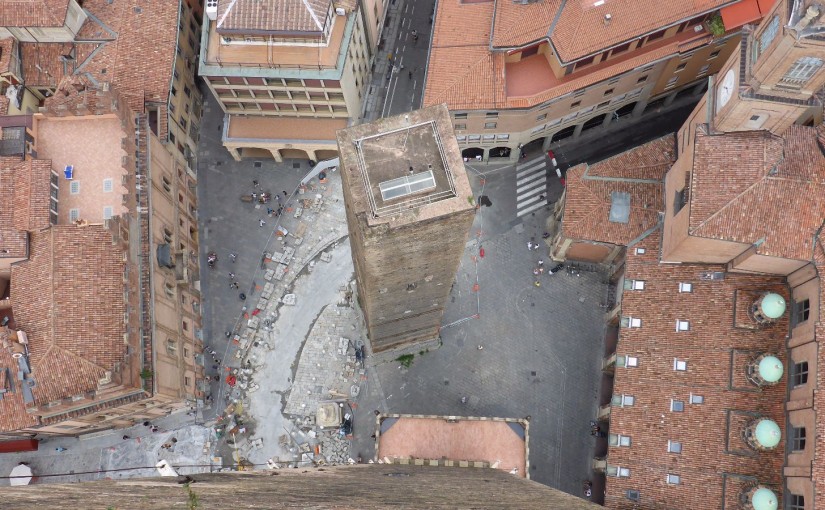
point(769, 307)
point(759, 497)
point(762, 434)
point(765, 370)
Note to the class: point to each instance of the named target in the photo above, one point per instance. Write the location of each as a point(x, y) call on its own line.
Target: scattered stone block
point(289, 299)
point(326, 256)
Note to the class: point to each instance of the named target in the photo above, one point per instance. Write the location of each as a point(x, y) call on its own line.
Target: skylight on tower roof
point(407, 185)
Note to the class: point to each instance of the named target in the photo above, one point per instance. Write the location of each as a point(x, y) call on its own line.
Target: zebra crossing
point(531, 185)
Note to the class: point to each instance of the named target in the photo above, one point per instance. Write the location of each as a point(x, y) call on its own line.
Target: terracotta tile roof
point(638, 172)
point(734, 198)
point(518, 24)
point(42, 65)
point(68, 298)
point(272, 15)
point(33, 13)
point(11, 238)
point(581, 31)
point(463, 72)
point(31, 197)
point(6, 47)
point(717, 346)
point(132, 46)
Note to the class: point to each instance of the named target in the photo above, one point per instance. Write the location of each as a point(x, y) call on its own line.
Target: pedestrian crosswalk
point(531, 185)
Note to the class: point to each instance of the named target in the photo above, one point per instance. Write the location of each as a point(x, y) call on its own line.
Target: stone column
point(578, 131)
point(236, 154)
point(669, 99)
point(311, 154)
point(276, 155)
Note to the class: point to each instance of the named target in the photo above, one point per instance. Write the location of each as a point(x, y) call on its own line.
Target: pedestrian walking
point(261, 223)
point(231, 275)
point(284, 192)
point(125, 437)
point(242, 296)
point(410, 73)
point(60, 449)
point(255, 184)
point(174, 440)
point(269, 211)
point(215, 367)
point(529, 245)
point(253, 195)
point(228, 334)
point(541, 262)
point(537, 283)
point(535, 272)
point(146, 424)
point(234, 285)
point(154, 428)
point(233, 256)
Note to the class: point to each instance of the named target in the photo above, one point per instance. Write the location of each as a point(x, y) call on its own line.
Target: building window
point(797, 439)
point(802, 310)
point(796, 502)
point(642, 79)
point(627, 361)
point(640, 251)
point(677, 406)
point(713, 55)
point(672, 82)
point(584, 62)
point(656, 35)
point(74, 215)
point(541, 117)
point(108, 212)
point(682, 325)
point(503, 137)
point(618, 440)
point(187, 91)
point(679, 200)
point(685, 287)
point(703, 70)
point(620, 49)
point(461, 126)
point(171, 347)
point(768, 35)
point(167, 184)
point(673, 479)
point(575, 104)
point(490, 125)
point(108, 185)
point(174, 91)
point(696, 399)
point(608, 92)
point(187, 381)
point(679, 365)
point(167, 235)
point(619, 472)
point(674, 447)
point(631, 322)
point(460, 116)
point(799, 374)
point(622, 400)
point(491, 115)
point(74, 188)
point(801, 72)
point(680, 67)
point(634, 284)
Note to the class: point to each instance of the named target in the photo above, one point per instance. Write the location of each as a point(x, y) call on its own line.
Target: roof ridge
point(728, 205)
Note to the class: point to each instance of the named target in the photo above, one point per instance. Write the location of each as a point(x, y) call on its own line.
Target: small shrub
point(716, 25)
point(146, 373)
point(406, 360)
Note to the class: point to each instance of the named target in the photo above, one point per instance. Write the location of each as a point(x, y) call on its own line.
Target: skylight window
point(407, 185)
point(679, 365)
point(685, 287)
point(682, 325)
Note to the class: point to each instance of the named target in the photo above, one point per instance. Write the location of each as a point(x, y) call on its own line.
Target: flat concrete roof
point(493, 440)
point(407, 162)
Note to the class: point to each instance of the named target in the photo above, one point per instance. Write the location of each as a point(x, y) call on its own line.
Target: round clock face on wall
point(725, 89)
